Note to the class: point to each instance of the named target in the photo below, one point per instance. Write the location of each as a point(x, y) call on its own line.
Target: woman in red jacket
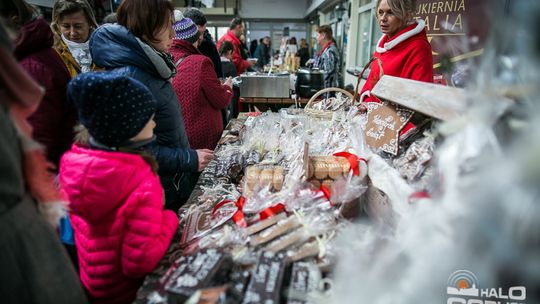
point(197, 86)
point(403, 49)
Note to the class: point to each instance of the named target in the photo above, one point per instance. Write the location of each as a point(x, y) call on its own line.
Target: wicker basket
point(309, 110)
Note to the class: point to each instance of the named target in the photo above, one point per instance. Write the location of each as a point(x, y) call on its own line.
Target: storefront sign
point(457, 29)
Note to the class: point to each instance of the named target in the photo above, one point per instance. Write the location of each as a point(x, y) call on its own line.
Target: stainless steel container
point(266, 86)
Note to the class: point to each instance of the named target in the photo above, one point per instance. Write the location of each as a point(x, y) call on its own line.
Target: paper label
point(384, 122)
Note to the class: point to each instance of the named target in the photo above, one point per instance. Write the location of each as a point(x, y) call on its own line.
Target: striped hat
point(185, 28)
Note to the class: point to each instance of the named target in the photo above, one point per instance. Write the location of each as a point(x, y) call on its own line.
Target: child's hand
point(205, 156)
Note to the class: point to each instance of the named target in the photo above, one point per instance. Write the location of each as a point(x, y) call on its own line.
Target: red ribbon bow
point(353, 161)
point(239, 217)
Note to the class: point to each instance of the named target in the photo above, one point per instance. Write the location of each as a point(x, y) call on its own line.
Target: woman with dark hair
point(136, 47)
point(225, 51)
point(73, 22)
point(229, 70)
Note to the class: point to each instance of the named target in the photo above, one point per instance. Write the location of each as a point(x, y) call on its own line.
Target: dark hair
point(17, 8)
point(235, 22)
point(145, 18)
point(292, 40)
point(327, 30)
point(110, 18)
point(226, 46)
point(196, 16)
point(193, 38)
point(67, 7)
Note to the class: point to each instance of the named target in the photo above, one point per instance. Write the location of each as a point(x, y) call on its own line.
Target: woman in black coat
point(123, 48)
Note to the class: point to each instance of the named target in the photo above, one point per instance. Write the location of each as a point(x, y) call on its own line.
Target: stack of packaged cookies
point(324, 170)
point(262, 176)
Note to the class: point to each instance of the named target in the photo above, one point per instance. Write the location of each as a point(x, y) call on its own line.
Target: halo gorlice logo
point(463, 289)
point(463, 283)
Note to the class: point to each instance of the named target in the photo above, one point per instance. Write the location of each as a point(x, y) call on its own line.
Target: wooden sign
point(384, 122)
point(437, 101)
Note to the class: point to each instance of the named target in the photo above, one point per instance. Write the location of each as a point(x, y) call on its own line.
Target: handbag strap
point(364, 70)
point(180, 61)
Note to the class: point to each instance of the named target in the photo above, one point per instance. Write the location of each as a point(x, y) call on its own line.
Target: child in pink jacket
point(116, 199)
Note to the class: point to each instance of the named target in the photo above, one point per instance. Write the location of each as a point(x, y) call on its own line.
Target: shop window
point(368, 32)
point(364, 2)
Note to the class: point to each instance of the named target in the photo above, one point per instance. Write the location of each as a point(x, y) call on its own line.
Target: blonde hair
point(66, 7)
point(400, 8)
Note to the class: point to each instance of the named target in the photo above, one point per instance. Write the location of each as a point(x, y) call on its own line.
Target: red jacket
point(121, 229)
point(406, 55)
point(241, 64)
point(55, 118)
point(201, 95)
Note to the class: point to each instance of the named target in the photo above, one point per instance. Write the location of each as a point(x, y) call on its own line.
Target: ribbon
point(353, 161)
point(238, 216)
point(326, 192)
point(416, 196)
point(271, 211)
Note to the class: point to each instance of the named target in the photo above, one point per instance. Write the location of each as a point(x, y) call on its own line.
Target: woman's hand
point(205, 156)
point(228, 82)
point(362, 107)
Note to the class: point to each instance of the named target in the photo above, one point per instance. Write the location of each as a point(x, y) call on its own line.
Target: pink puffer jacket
point(121, 229)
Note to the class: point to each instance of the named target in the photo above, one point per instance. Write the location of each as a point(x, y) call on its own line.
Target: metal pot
point(308, 82)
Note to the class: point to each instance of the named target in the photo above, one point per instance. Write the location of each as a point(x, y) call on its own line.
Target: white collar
point(421, 24)
point(72, 45)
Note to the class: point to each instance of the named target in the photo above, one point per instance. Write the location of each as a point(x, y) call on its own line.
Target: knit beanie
point(114, 108)
point(185, 28)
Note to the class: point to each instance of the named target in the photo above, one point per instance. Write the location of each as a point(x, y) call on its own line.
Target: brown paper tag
point(384, 122)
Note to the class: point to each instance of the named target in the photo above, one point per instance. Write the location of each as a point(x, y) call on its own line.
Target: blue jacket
point(114, 48)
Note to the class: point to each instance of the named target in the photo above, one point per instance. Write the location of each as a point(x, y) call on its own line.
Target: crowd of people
point(119, 120)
